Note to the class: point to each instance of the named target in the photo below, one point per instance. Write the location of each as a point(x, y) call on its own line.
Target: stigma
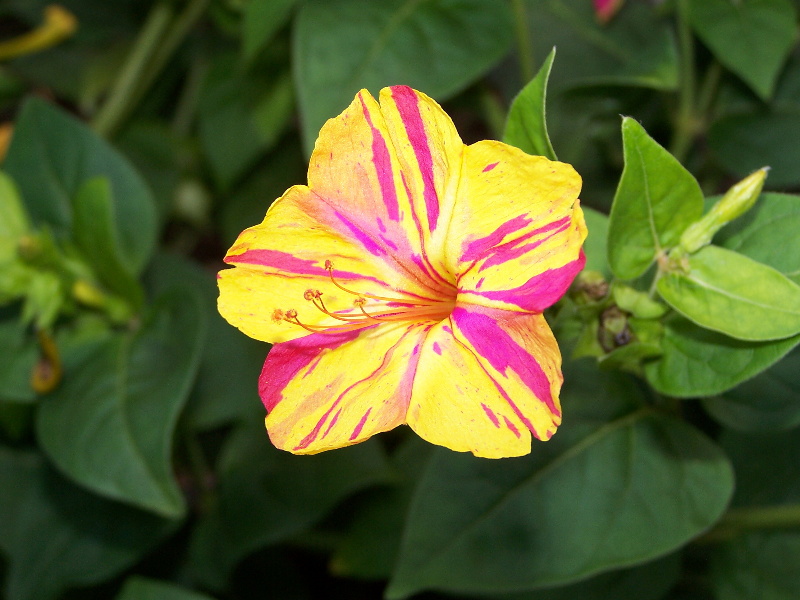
point(365, 309)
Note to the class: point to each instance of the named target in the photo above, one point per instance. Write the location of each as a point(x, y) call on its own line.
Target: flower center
point(367, 309)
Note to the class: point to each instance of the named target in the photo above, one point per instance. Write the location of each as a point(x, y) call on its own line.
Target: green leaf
point(596, 244)
point(437, 47)
point(745, 142)
point(13, 219)
point(241, 117)
point(770, 401)
point(95, 234)
point(657, 198)
point(768, 234)
point(110, 425)
point(261, 20)
point(533, 511)
point(698, 362)
point(52, 155)
point(298, 491)
point(526, 127)
point(20, 353)
point(752, 38)
point(61, 536)
point(141, 588)
point(727, 292)
point(761, 564)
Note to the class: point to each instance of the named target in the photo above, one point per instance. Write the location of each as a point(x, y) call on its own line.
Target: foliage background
point(146, 141)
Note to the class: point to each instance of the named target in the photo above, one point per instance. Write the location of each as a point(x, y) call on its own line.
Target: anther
point(359, 301)
point(309, 295)
point(277, 315)
point(328, 265)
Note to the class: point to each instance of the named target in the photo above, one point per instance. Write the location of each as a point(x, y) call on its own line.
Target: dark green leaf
point(140, 588)
point(109, 426)
point(267, 495)
point(767, 402)
point(727, 292)
point(752, 38)
point(20, 353)
point(656, 200)
point(57, 535)
point(600, 495)
point(526, 127)
point(52, 155)
point(260, 21)
point(698, 362)
point(437, 47)
point(94, 231)
point(768, 234)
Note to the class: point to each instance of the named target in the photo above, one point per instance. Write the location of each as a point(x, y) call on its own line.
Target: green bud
point(736, 201)
point(13, 219)
point(637, 303)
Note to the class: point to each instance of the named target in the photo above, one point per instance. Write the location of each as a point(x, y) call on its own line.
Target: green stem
point(685, 125)
point(524, 45)
point(740, 520)
point(121, 97)
point(708, 90)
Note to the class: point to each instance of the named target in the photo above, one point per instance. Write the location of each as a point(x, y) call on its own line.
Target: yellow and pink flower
point(406, 283)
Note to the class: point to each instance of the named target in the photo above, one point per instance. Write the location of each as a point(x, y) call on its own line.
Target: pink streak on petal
point(447, 329)
point(408, 107)
point(360, 235)
point(540, 291)
point(500, 350)
point(512, 427)
point(488, 168)
point(287, 359)
point(437, 348)
point(383, 167)
point(504, 254)
point(477, 248)
point(332, 423)
point(360, 425)
point(492, 417)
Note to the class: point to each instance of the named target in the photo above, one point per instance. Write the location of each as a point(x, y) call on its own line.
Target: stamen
point(277, 315)
point(329, 267)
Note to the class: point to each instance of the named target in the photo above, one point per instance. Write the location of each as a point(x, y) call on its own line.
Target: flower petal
point(516, 240)
point(278, 260)
point(328, 391)
point(509, 378)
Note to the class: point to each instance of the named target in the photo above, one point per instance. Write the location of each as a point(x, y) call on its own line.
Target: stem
point(121, 98)
point(708, 90)
point(524, 45)
point(685, 126)
point(740, 520)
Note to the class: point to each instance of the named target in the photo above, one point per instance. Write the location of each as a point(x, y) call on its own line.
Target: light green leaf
point(95, 233)
point(526, 127)
point(752, 38)
point(657, 198)
point(13, 220)
point(768, 234)
point(61, 536)
point(698, 362)
point(299, 491)
point(727, 292)
point(109, 426)
point(436, 46)
point(534, 512)
point(141, 588)
point(52, 155)
point(261, 20)
point(770, 401)
point(596, 244)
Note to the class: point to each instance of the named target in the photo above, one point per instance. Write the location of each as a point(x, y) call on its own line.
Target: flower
point(605, 10)
point(406, 284)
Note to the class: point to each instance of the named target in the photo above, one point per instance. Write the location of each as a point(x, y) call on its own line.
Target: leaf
point(727, 292)
point(435, 46)
point(94, 232)
point(596, 244)
point(52, 155)
point(768, 234)
point(298, 491)
point(241, 117)
point(636, 49)
point(770, 401)
point(20, 353)
point(61, 536)
point(743, 143)
point(526, 127)
point(657, 198)
point(141, 588)
point(599, 496)
point(261, 20)
point(752, 38)
point(698, 362)
point(13, 220)
point(761, 564)
point(109, 426)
